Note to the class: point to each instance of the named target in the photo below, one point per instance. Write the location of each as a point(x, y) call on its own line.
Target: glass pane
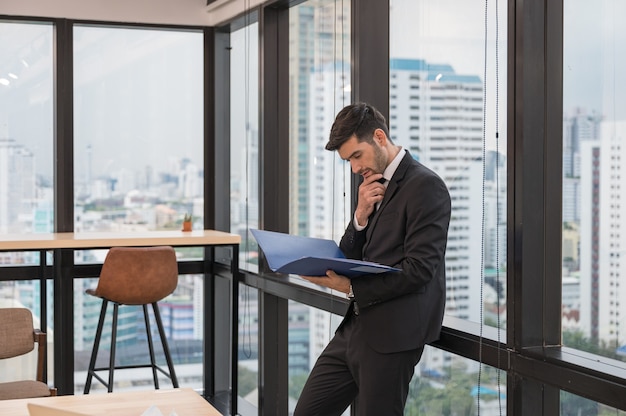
point(310, 330)
point(244, 141)
point(446, 109)
point(138, 126)
point(26, 128)
point(594, 128)
point(138, 165)
point(248, 343)
point(319, 70)
point(26, 171)
point(573, 405)
point(447, 384)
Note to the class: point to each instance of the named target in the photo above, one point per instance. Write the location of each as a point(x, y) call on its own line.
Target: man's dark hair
point(359, 119)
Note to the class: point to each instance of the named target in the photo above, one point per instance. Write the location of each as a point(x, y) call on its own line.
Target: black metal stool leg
point(166, 350)
point(96, 346)
point(116, 307)
point(150, 346)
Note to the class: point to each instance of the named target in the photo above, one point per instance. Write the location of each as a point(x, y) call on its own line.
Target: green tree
point(296, 384)
point(247, 381)
point(577, 340)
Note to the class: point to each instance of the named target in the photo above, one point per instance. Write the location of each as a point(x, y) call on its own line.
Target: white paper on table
point(154, 411)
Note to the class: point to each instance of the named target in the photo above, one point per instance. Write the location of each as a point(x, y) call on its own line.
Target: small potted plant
point(187, 222)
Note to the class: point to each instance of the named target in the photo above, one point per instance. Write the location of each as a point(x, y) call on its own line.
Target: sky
point(442, 31)
point(594, 73)
point(453, 32)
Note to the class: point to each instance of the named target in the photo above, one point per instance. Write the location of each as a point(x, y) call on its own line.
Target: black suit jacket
point(403, 310)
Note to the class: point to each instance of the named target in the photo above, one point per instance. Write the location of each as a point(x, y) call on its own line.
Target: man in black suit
point(401, 220)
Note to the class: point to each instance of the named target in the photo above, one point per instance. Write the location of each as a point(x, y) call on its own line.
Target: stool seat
point(134, 276)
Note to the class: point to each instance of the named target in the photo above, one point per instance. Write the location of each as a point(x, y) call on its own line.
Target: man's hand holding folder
point(312, 257)
point(336, 282)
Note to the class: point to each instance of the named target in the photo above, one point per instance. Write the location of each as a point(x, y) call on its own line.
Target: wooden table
point(63, 245)
point(75, 241)
point(185, 402)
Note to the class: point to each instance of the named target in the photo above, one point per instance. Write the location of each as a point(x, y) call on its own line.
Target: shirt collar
point(391, 168)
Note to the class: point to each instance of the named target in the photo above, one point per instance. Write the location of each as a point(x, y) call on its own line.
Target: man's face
point(365, 158)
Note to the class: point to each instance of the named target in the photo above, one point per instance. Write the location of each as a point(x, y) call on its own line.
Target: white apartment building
point(494, 253)
point(17, 185)
point(602, 236)
point(438, 116)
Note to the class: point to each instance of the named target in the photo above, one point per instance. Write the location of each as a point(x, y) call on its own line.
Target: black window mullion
point(63, 205)
point(534, 284)
point(63, 126)
point(274, 144)
point(554, 173)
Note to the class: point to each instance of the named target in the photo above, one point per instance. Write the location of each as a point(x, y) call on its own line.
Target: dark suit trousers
point(348, 369)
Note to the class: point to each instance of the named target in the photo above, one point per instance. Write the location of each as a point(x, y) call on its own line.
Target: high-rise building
point(437, 115)
point(495, 186)
point(17, 185)
point(602, 236)
point(579, 126)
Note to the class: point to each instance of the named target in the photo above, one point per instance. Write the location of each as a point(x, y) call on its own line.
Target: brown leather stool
point(134, 276)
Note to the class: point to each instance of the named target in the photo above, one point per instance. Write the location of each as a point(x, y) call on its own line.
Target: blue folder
point(308, 256)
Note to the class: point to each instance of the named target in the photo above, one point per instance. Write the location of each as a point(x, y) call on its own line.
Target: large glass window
point(138, 165)
point(138, 128)
point(26, 123)
point(594, 134)
point(26, 166)
point(446, 109)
